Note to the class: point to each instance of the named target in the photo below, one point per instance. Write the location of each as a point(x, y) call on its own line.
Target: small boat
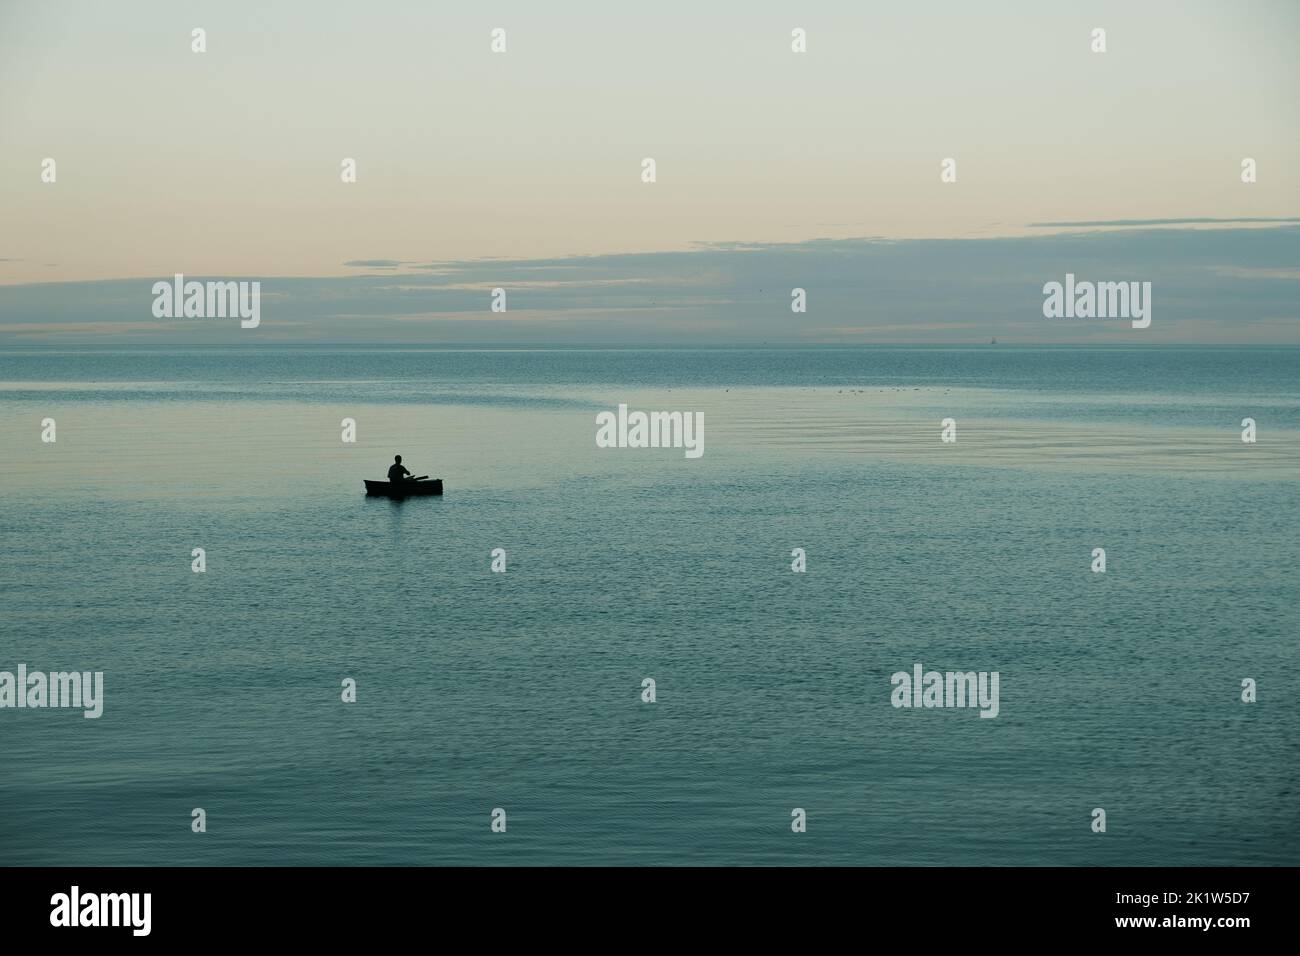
point(404, 489)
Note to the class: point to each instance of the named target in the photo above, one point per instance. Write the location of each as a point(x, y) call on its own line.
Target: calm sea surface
point(522, 690)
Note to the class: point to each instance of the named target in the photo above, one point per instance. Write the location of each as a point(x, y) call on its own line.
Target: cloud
point(1198, 221)
point(374, 263)
point(1236, 284)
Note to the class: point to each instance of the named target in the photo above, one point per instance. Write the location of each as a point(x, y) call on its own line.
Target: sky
point(523, 169)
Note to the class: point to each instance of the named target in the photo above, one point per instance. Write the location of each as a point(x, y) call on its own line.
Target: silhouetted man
point(397, 472)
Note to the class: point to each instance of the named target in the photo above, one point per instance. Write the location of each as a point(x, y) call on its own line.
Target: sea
point(1162, 690)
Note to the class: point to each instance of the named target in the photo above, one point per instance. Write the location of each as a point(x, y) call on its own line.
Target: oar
point(421, 478)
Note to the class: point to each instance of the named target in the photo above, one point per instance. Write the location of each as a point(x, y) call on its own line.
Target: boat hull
point(404, 489)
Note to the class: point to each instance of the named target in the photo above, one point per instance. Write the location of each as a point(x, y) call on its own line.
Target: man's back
point(397, 472)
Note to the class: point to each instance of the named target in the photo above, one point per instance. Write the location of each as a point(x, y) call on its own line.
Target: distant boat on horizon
point(995, 341)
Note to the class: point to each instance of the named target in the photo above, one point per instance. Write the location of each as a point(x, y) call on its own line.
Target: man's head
point(397, 458)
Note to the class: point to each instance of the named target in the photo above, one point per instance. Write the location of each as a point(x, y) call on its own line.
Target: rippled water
point(522, 690)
